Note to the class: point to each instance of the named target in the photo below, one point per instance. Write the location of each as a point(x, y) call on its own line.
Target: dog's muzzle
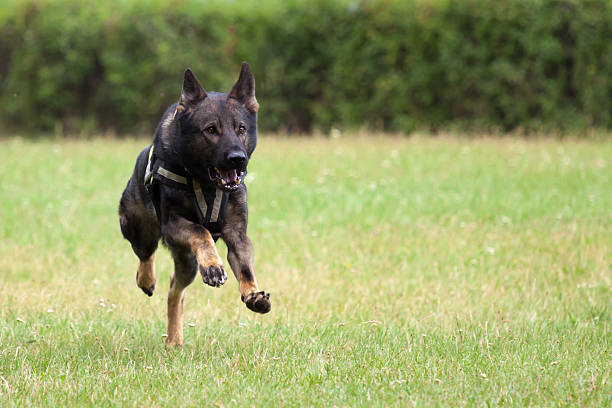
point(228, 180)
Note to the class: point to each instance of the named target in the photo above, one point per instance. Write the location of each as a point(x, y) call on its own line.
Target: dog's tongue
point(229, 176)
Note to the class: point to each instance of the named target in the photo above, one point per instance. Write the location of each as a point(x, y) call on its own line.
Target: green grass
point(402, 271)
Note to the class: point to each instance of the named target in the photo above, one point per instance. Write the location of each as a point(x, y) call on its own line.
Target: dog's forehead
point(218, 106)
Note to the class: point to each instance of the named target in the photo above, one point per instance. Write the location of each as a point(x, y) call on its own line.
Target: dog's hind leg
point(140, 227)
point(193, 249)
point(185, 271)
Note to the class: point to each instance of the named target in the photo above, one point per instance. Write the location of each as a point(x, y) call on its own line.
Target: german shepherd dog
point(188, 189)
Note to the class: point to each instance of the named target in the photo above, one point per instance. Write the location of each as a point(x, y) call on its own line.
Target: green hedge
point(377, 64)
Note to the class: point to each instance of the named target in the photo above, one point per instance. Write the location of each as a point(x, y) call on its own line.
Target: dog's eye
point(241, 130)
point(211, 130)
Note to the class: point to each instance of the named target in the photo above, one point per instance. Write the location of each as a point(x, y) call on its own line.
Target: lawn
point(403, 272)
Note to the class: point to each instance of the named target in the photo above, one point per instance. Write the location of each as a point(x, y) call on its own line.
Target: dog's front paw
point(214, 275)
point(258, 302)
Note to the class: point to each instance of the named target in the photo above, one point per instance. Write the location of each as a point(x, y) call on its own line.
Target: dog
point(187, 188)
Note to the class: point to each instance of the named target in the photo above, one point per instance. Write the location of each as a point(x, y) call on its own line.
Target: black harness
point(210, 202)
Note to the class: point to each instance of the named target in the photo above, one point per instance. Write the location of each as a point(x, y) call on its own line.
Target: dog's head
point(214, 134)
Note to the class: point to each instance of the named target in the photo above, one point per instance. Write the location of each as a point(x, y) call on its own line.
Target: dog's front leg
point(179, 232)
point(240, 254)
point(193, 249)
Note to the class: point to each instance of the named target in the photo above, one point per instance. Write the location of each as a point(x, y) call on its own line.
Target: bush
point(378, 64)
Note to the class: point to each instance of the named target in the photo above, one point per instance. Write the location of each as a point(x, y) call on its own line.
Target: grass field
point(403, 272)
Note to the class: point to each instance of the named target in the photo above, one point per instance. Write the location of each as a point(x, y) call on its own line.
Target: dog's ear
point(192, 92)
point(244, 89)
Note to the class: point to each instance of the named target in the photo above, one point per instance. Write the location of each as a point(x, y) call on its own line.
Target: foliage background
point(79, 66)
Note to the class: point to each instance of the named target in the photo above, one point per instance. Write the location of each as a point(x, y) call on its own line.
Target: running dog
point(188, 189)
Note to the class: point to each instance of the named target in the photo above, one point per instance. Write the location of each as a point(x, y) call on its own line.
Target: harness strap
point(211, 211)
point(172, 176)
point(200, 197)
point(214, 215)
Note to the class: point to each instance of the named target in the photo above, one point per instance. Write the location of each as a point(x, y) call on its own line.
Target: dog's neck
point(166, 132)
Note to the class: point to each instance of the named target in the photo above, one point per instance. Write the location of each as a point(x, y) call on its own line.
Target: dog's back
point(137, 216)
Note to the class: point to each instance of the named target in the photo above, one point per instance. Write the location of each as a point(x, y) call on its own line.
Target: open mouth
point(228, 180)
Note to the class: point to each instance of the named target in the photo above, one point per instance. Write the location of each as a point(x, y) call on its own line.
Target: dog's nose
point(237, 157)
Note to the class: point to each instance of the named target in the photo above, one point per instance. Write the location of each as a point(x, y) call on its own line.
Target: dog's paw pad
point(148, 291)
point(258, 302)
point(214, 275)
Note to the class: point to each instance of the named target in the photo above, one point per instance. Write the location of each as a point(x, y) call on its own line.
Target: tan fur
point(253, 105)
point(205, 250)
point(176, 296)
point(145, 276)
point(247, 287)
